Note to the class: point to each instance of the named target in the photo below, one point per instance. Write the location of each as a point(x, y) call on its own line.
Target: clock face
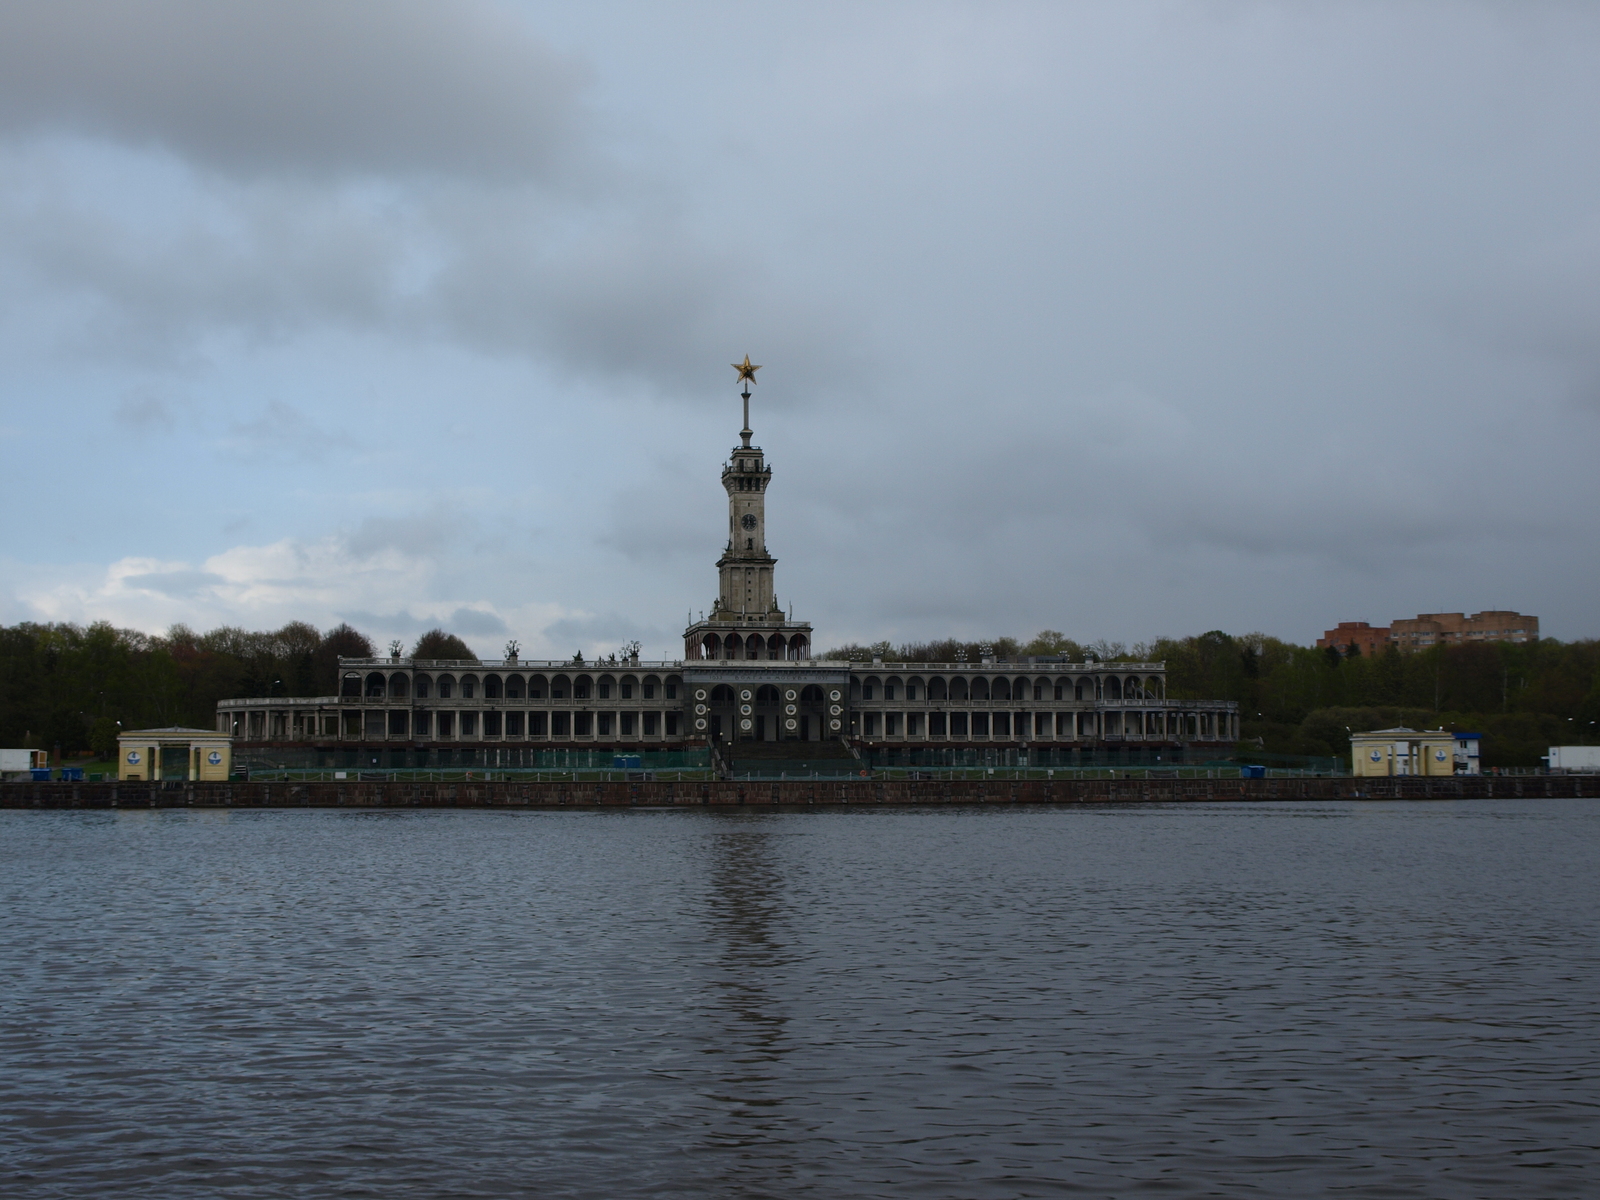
point(748, 520)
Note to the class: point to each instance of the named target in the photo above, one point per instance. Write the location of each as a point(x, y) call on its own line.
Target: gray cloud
point(174, 583)
point(145, 413)
point(378, 86)
point(1105, 318)
point(425, 534)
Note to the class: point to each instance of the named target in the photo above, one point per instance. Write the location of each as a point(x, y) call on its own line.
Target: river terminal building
point(747, 680)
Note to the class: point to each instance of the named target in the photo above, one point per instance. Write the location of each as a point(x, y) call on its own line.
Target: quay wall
point(723, 794)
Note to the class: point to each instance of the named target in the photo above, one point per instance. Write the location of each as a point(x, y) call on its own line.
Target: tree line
point(75, 686)
point(1299, 700)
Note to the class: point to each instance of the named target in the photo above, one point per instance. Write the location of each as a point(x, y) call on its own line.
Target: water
point(1360, 999)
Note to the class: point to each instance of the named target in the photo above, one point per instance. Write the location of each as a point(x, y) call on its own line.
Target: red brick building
point(1370, 638)
point(1434, 629)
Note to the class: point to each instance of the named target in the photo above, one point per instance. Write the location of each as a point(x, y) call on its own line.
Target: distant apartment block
point(1433, 629)
point(1368, 638)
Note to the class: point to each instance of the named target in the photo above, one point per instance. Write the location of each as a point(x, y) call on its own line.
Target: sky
point(1124, 320)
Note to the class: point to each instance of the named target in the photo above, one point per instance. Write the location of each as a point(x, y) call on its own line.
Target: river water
point(1295, 999)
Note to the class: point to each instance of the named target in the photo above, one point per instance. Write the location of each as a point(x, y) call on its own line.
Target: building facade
point(1366, 639)
point(1433, 629)
point(1413, 752)
point(1453, 629)
point(747, 676)
point(174, 753)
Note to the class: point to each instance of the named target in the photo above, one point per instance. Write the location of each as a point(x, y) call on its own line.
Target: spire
point(747, 375)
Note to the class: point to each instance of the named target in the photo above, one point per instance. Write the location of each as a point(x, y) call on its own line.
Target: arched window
point(958, 690)
point(767, 694)
point(1000, 690)
point(492, 688)
point(582, 687)
point(375, 686)
point(980, 688)
point(399, 686)
point(1113, 688)
point(560, 687)
point(722, 695)
point(513, 687)
point(447, 687)
point(538, 687)
point(424, 687)
point(811, 694)
point(937, 690)
point(350, 685)
point(469, 688)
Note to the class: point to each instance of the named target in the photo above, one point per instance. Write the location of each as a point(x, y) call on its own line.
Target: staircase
point(795, 760)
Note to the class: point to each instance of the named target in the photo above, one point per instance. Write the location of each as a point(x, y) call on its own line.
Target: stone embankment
point(793, 793)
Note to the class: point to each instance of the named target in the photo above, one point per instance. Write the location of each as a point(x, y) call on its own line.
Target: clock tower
point(746, 621)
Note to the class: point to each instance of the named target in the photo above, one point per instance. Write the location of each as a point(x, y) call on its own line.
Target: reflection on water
point(1393, 1000)
point(746, 1036)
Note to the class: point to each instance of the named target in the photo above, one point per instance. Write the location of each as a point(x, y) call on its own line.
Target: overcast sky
point(1118, 319)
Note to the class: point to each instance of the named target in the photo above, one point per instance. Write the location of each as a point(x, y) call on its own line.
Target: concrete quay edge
point(722, 794)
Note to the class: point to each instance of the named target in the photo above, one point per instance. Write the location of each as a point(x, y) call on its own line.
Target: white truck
point(1575, 760)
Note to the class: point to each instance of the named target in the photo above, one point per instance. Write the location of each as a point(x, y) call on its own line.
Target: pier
point(723, 794)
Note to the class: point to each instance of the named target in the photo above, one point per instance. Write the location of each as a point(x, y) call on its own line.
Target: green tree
point(438, 644)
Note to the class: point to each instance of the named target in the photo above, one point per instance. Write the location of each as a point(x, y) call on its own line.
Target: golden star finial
point(746, 370)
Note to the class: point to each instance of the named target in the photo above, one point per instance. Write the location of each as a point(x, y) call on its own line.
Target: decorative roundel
point(791, 723)
point(1438, 756)
point(215, 758)
point(833, 695)
point(746, 723)
point(789, 708)
point(748, 520)
point(789, 695)
point(700, 723)
point(133, 757)
point(836, 710)
point(699, 693)
point(745, 695)
point(700, 708)
point(1377, 756)
point(745, 709)
point(833, 724)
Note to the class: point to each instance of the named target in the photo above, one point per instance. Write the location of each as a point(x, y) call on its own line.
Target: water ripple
point(1357, 999)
